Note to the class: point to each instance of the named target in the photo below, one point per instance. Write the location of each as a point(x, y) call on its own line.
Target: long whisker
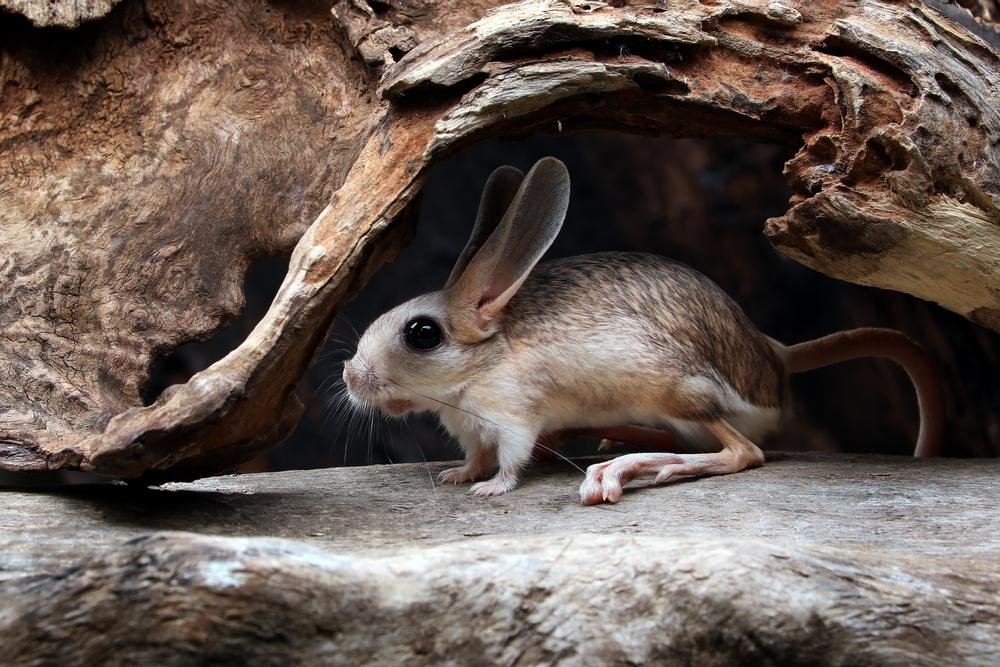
point(370, 424)
point(354, 416)
point(489, 421)
point(562, 456)
point(423, 456)
point(327, 383)
point(346, 320)
point(341, 352)
point(386, 442)
point(339, 403)
point(365, 412)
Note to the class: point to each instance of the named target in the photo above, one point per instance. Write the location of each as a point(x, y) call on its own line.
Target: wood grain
point(813, 558)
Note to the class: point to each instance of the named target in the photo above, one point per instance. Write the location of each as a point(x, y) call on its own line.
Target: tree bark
point(813, 559)
point(152, 160)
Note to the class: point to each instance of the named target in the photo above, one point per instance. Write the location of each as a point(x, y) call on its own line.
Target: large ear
point(505, 259)
point(498, 193)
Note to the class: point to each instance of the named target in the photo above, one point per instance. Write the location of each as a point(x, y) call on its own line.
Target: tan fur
point(590, 342)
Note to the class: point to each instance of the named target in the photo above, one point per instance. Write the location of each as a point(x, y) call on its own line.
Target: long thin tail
point(888, 344)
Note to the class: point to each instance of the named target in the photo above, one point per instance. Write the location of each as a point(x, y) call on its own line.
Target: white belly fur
point(485, 417)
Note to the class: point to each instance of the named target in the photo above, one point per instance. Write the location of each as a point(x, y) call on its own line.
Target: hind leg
point(605, 480)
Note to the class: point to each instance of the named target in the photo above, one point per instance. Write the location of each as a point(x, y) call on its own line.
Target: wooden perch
point(812, 559)
point(150, 161)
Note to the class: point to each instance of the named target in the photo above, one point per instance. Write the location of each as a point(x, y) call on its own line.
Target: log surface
point(823, 559)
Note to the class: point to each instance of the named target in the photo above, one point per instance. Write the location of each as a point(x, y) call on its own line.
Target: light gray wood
point(827, 559)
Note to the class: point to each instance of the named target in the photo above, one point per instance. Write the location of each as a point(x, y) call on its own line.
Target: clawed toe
point(489, 488)
point(591, 492)
point(459, 475)
point(500, 484)
point(605, 481)
point(486, 489)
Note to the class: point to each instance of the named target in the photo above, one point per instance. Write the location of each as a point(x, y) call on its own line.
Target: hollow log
point(814, 559)
point(149, 161)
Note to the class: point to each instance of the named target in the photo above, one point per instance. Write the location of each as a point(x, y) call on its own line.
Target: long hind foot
point(604, 481)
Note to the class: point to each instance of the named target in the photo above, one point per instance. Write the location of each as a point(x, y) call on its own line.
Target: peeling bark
point(118, 249)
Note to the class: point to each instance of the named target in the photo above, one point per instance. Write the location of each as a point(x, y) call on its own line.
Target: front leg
point(514, 446)
point(478, 460)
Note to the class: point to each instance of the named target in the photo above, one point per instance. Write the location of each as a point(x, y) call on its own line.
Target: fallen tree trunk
point(811, 559)
point(144, 178)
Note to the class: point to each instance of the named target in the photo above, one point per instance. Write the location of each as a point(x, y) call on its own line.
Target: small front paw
point(459, 475)
point(488, 488)
point(497, 486)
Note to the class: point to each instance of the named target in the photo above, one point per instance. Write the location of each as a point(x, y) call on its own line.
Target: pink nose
point(350, 377)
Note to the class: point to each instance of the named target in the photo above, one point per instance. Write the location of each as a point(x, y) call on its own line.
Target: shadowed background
point(703, 202)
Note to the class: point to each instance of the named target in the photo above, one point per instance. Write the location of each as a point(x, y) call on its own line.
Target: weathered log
point(812, 559)
point(144, 179)
point(63, 13)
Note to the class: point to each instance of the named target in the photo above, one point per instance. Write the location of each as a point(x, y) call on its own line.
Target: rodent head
point(421, 352)
point(406, 357)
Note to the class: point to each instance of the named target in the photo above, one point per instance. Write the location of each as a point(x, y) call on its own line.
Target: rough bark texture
point(150, 160)
point(62, 13)
point(810, 560)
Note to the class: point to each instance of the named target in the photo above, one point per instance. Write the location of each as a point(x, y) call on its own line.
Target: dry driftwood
point(810, 560)
point(62, 13)
point(149, 161)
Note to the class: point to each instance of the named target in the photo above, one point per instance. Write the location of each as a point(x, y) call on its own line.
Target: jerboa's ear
point(498, 193)
point(476, 298)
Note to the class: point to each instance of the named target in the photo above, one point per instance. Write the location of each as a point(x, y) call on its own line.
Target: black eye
point(422, 333)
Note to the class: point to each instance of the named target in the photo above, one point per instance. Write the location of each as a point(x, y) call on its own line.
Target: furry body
point(620, 338)
point(511, 351)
